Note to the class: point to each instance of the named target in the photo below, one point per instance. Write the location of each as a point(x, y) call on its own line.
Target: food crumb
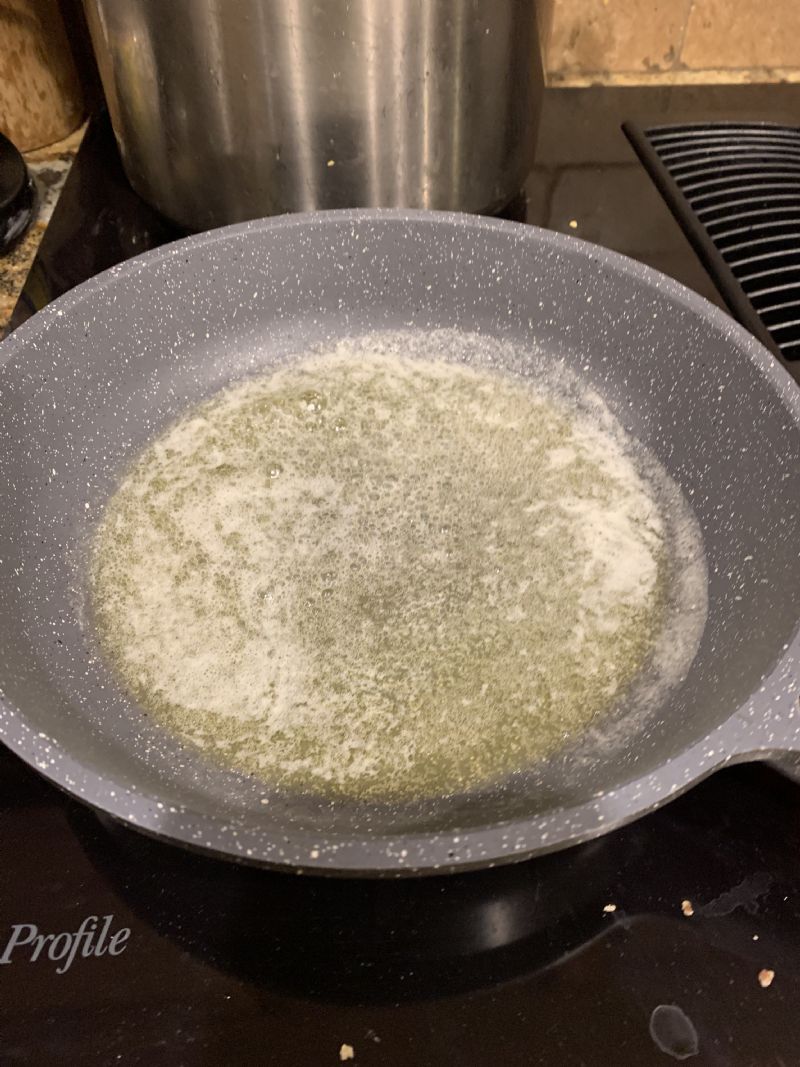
point(765, 977)
point(686, 907)
point(573, 224)
point(346, 1052)
point(610, 907)
point(755, 937)
point(331, 162)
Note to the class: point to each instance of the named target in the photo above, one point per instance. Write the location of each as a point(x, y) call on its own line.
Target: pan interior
point(385, 572)
point(95, 377)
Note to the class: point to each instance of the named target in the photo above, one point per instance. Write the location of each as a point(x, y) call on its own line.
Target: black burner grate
point(735, 190)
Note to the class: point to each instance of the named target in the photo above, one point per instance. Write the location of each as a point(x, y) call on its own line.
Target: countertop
point(49, 167)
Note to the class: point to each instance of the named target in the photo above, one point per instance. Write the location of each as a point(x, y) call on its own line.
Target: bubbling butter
point(375, 575)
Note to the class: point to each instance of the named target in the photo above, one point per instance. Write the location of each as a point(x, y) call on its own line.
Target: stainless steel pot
point(232, 109)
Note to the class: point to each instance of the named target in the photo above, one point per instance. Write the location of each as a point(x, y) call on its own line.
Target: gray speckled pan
point(87, 381)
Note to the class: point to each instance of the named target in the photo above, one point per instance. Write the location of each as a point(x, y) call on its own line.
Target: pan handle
point(788, 765)
point(768, 727)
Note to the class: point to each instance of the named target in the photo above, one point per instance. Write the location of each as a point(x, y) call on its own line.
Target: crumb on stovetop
point(346, 1052)
point(765, 976)
point(609, 908)
point(686, 908)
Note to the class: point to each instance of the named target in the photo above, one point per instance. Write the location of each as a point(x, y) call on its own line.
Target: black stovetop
point(638, 948)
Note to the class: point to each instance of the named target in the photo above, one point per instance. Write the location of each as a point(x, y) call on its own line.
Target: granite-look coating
point(98, 372)
point(14, 268)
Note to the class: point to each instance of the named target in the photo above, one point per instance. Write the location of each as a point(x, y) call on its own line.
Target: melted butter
point(376, 576)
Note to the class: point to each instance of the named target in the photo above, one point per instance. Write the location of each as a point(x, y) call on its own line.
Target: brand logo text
point(92, 938)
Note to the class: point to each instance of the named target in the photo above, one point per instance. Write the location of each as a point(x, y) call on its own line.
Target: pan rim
point(755, 351)
point(429, 852)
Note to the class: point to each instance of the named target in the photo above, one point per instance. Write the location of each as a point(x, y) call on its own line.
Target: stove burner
point(384, 940)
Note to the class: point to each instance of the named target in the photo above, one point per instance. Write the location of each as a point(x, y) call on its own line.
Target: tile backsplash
point(679, 41)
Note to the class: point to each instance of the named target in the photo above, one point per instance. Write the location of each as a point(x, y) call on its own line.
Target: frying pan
point(91, 378)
